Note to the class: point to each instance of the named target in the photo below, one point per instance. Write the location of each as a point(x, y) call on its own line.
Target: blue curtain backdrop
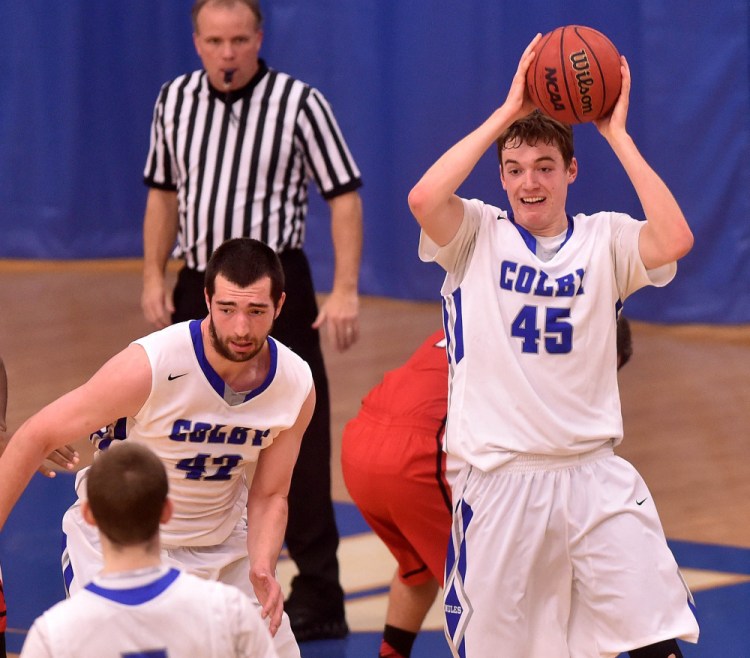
point(406, 78)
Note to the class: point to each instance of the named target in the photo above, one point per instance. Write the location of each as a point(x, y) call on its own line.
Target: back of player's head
point(127, 489)
point(624, 341)
point(253, 5)
point(535, 128)
point(243, 261)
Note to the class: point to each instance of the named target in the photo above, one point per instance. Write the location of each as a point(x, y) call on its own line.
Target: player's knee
point(666, 649)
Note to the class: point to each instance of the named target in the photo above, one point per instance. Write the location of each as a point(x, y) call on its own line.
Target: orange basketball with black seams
point(575, 76)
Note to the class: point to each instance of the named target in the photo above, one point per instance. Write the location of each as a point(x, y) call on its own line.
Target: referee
point(233, 147)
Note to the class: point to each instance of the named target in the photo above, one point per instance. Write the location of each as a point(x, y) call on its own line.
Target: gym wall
point(406, 79)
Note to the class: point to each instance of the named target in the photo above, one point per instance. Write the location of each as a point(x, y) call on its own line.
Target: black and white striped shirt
point(240, 162)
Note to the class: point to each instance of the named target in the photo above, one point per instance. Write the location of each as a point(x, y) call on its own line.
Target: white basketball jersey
point(532, 343)
point(205, 433)
point(167, 614)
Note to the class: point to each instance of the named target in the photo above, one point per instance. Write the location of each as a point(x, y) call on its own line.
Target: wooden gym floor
point(685, 393)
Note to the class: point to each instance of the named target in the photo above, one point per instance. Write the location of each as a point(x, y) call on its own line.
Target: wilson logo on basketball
point(553, 89)
point(576, 74)
point(580, 63)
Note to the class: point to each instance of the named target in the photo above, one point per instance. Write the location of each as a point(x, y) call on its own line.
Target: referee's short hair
point(252, 5)
point(243, 261)
point(126, 489)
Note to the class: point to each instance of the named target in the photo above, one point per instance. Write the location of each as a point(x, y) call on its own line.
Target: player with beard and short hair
point(210, 397)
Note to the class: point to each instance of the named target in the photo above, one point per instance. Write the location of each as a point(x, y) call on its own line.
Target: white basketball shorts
point(560, 557)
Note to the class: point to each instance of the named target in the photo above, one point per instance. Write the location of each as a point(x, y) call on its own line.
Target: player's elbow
point(682, 243)
point(661, 245)
point(420, 201)
point(689, 241)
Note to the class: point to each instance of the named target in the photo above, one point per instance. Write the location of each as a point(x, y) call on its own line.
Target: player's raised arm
point(119, 388)
point(433, 199)
point(666, 236)
point(267, 512)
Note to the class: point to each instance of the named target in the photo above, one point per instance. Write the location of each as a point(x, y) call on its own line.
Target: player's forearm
point(432, 200)
point(20, 459)
point(667, 235)
point(446, 175)
point(266, 525)
point(346, 234)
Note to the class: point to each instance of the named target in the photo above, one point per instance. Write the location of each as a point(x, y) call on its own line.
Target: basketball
point(575, 76)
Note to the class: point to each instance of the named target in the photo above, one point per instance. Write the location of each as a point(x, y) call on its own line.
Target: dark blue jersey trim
point(136, 595)
point(216, 382)
point(529, 237)
point(274, 354)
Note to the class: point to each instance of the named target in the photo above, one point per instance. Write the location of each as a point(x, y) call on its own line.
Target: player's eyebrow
point(221, 302)
point(542, 158)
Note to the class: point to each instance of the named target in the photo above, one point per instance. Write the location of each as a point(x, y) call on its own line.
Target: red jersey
point(417, 390)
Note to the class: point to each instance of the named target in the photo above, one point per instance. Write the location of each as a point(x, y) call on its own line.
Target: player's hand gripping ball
point(575, 76)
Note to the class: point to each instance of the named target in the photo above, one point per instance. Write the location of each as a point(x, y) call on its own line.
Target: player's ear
point(166, 511)
point(279, 305)
point(572, 170)
point(206, 297)
point(502, 177)
point(87, 514)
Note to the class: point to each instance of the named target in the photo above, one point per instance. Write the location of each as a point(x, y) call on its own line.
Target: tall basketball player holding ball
point(557, 548)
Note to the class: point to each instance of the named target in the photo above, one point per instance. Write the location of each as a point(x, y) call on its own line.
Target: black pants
point(311, 535)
